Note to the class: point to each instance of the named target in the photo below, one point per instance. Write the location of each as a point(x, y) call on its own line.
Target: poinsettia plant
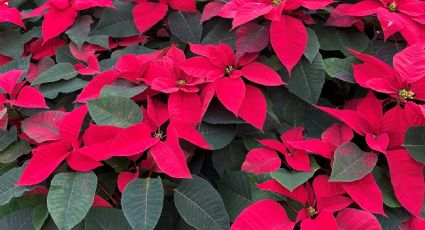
point(212, 114)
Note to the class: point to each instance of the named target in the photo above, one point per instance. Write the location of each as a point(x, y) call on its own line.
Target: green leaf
point(106, 219)
point(11, 44)
point(288, 108)
point(52, 90)
point(65, 71)
point(229, 159)
point(218, 114)
point(125, 89)
point(332, 39)
point(142, 202)
point(116, 22)
point(39, 216)
point(8, 187)
point(22, 202)
point(21, 219)
point(186, 26)
point(14, 151)
point(64, 55)
point(292, 179)
point(217, 136)
point(70, 198)
point(341, 69)
point(394, 218)
point(200, 205)
point(235, 190)
point(414, 141)
point(351, 163)
point(80, 30)
point(115, 110)
point(221, 32)
point(7, 138)
point(313, 46)
point(20, 63)
point(100, 40)
point(307, 79)
point(383, 180)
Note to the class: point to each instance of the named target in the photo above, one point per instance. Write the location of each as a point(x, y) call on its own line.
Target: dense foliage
point(202, 114)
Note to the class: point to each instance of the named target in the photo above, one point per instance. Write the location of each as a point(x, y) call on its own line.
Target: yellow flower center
point(229, 70)
point(406, 94)
point(158, 134)
point(392, 6)
point(311, 211)
point(181, 82)
point(276, 2)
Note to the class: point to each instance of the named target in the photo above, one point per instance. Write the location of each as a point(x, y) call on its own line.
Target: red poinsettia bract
point(223, 73)
point(404, 16)
point(61, 14)
point(288, 35)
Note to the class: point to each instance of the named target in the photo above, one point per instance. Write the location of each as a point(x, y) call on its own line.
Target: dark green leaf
point(80, 30)
point(292, 179)
point(351, 163)
point(200, 205)
point(15, 150)
point(186, 26)
point(414, 141)
point(341, 69)
point(124, 90)
point(116, 22)
point(313, 46)
point(70, 197)
point(235, 190)
point(307, 79)
point(65, 71)
point(52, 90)
point(39, 216)
point(218, 136)
point(115, 110)
point(19, 220)
point(382, 178)
point(11, 44)
point(142, 202)
point(220, 33)
point(106, 219)
point(7, 138)
point(8, 187)
point(229, 158)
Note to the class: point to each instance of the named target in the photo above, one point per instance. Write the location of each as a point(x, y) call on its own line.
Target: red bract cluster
point(207, 114)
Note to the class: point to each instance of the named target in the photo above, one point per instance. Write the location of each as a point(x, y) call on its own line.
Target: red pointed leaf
point(261, 160)
point(10, 15)
point(147, 14)
point(43, 126)
point(354, 219)
point(170, 158)
point(133, 140)
point(289, 40)
point(85, 4)
point(254, 107)
point(57, 21)
point(261, 74)
point(9, 79)
point(184, 108)
point(265, 214)
point(46, 158)
point(29, 97)
point(407, 178)
point(231, 93)
point(366, 193)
